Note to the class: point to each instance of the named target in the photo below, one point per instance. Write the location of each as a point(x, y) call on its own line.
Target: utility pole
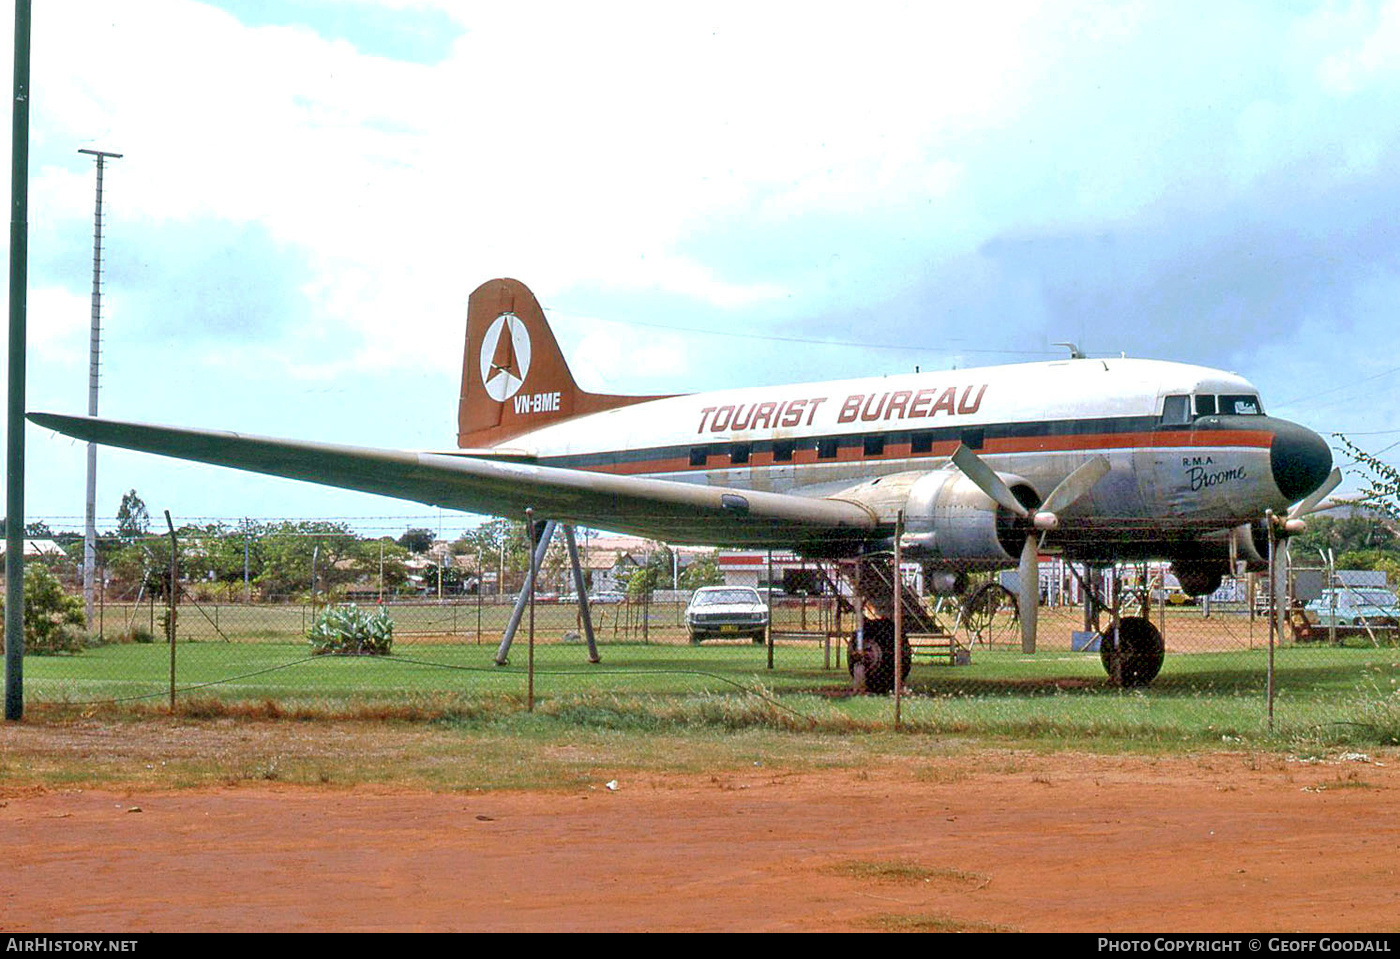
point(14, 417)
point(94, 364)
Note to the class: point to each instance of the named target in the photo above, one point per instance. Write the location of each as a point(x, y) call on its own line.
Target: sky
point(701, 196)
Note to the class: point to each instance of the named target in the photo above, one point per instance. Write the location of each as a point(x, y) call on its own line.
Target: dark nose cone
point(1300, 460)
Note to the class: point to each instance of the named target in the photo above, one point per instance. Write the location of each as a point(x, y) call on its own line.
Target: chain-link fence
point(970, 665)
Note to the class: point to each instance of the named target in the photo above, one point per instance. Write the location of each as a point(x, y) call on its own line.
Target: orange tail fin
point(514, 378)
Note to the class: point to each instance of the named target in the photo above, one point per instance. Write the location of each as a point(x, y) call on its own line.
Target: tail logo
point(505, 357)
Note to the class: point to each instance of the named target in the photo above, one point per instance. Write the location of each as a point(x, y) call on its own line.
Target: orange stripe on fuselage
point(1253, 439)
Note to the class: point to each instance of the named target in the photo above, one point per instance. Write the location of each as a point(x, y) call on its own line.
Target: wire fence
point(969, 670)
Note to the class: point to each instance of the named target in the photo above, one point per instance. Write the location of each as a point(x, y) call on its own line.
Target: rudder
point(514, 376)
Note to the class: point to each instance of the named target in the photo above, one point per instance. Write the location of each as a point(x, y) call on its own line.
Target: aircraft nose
point(1299, 458)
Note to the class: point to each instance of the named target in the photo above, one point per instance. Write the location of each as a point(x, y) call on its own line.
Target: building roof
point(38, 547)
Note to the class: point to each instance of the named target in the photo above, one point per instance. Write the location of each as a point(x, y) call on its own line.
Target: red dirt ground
point(1225, 842)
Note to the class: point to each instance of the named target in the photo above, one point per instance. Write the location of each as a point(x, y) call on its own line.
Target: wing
point(660, 509)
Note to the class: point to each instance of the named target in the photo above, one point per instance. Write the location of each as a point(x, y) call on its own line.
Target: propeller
point(1292, 523)
point(1042, 520)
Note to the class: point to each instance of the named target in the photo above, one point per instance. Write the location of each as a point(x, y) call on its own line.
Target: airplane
point(1101, 460)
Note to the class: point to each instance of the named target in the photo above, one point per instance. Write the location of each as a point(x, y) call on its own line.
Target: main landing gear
point(877, 658)
point(1131, 648)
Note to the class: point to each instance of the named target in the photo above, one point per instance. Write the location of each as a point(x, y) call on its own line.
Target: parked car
point(1356, 606)
point(594, 599)
point(726, 611)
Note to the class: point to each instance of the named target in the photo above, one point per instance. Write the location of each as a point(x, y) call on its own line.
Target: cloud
point(405, 31)
point(190, 282)
point(309, 191)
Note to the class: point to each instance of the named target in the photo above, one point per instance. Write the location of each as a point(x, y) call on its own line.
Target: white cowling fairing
point(948, 518)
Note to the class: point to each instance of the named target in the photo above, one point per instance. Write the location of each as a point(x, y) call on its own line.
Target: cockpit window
point(1205, 404)
point(1176, 410)
point(1245, 404)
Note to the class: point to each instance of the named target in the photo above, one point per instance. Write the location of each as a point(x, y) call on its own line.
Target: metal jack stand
point(526, 589)
point(858, 658)
point(582, 592)
point(523, 600)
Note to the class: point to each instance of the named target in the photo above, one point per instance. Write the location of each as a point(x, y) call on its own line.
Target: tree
point(703, 572)
point(289, 549)
point(53, 620)
point(661, 559)
point(417, 541)
point(1382, 481)
point(453, 576)
point(641, 582)
point(1345, 534)
point(502, 542)
point(216, 553)
point(132, 518)
point(370, 556)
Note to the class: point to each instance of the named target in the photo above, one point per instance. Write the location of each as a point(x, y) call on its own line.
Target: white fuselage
point(1036, 421)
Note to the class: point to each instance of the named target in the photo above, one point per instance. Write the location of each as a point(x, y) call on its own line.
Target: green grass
point(1325, 694)
point(906, 872)
point(926, 922)
point(289, 622)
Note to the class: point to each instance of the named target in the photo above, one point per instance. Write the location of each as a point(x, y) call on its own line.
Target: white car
point(723, 611)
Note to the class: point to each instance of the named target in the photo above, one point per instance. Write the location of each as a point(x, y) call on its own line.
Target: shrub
point(136, 634)
point(350, 631)
point(54, 622)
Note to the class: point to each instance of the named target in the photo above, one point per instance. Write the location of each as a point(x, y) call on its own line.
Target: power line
point(1336, 389)
point(904, 348)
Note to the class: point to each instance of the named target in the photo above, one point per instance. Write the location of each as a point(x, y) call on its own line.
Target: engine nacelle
point(1247, 544)
point(942, 582)
point(947, 518)
point(1199, 578)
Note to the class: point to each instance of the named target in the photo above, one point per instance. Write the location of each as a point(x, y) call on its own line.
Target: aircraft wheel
point(1138, 656)
point(695, 639)
point(879, 656)
point(990, 615)
point(760, 639)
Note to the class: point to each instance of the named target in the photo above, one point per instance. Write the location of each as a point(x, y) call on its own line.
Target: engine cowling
point(1198, 578)
point(947, 518)
point(1209, 558)
point(944, 582)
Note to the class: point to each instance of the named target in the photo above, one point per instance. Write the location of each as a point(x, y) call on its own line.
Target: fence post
point(768, 601)
point(174, 602)
point(530, 637)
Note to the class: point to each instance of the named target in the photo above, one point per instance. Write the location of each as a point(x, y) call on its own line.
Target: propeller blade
point(1028, 598)
point(986, 479)
point(1282, 562)
point(1076, 484)
point(1308, 505)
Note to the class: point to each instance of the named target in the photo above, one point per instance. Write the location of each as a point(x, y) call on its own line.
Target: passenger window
point(1176, 410)
point(874, 446)
point(698, 456)
point(1205, 404)
point(826, 449)
point(739, 452)
point(921, 443)
point(782, 451)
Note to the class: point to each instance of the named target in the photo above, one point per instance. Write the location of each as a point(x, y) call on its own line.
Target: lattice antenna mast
point(94, 367)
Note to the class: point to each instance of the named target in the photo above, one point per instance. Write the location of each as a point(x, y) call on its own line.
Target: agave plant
point(350, 631)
